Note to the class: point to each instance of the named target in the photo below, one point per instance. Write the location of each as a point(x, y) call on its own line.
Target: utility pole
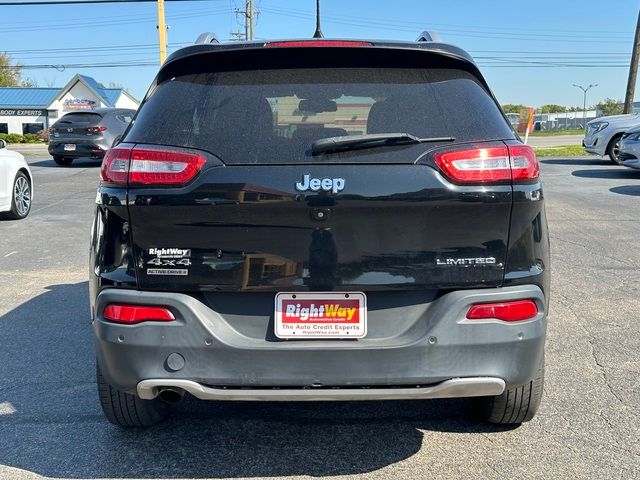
point(249, 21)
point(162, 32)
point(633, 71)
point(584, 105)
point(249, 13)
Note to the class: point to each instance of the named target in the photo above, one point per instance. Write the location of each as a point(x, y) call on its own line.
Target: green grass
point(553, 133)
point(568, 151)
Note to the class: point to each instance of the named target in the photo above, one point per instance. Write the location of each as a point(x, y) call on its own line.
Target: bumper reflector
point(131, 314)
point(506, 311)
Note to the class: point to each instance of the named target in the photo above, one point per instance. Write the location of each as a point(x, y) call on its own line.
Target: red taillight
point(319, 43)
point(141, 166)
point(96, 129)
point(489, 165)
point(115, 166)
point(506, 311)
point(131, 314)
point(163, 167)
point(524, 164)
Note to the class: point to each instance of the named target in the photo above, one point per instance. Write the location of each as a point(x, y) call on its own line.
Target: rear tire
point(127, 410)
point(62, 160)
point(516, 405)
point(613, 149)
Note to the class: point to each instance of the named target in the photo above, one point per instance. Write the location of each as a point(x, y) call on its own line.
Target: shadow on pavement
point(51, 423)
point(610, 173)
point(77, 163)
point(627, 190)
point(576, 161)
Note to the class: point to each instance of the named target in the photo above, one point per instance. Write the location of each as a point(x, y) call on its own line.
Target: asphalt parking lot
point(588, 425)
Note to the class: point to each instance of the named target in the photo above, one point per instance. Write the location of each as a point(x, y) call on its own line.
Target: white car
point(603, 134)
point(16, 184)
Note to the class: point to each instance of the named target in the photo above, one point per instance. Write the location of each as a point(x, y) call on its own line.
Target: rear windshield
point(83, 117)
point(273, 116)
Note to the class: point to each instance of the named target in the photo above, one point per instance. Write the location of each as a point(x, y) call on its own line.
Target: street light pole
point(584, 106)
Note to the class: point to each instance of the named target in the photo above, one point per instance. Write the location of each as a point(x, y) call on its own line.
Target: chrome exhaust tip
point(170, 395)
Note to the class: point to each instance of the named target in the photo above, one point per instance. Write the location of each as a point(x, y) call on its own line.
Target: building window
point(4, 128)
point(32, 128)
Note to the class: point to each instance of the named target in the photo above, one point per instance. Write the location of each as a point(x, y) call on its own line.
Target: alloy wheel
point(616, 150)
point(22, 196)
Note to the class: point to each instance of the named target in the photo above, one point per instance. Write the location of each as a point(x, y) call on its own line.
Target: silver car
point(603, 134)
point(87, 134)
point(630, 149)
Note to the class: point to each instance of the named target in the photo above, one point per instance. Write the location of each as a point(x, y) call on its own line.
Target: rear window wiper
point(350, 142)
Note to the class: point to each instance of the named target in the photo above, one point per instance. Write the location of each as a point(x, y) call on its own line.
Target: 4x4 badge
point(334, 185)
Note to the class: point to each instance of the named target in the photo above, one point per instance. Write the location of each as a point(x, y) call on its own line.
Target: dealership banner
point(78, 104)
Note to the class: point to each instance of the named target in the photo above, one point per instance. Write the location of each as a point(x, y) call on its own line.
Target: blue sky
point(530, 51)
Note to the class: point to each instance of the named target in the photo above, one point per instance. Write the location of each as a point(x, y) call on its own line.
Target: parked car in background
point(87, 134)
point(389, 242)
point(630, 149)
point(16, 184)
point(603, 134)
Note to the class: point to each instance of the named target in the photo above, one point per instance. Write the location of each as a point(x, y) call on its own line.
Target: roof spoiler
point(428, 36)
point(207, 37)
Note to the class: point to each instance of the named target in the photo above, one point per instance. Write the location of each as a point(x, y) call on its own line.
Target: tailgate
point(249, 228)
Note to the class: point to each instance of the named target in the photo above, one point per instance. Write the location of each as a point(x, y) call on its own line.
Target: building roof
point(95, 86)
point(33, 97)
point(111, 95)
point(28, 97)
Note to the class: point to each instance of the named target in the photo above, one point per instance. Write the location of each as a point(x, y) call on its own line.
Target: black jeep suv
point(319, 220)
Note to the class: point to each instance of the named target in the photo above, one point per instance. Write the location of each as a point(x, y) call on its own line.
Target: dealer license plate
point(69, 147)
point(321, 315)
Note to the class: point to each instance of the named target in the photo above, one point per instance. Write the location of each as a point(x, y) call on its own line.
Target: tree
point(611, 107)
point(511, 108)
point(11, 73)
point(552, 108)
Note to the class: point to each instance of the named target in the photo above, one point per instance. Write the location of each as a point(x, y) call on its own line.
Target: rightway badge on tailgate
point(169, 261)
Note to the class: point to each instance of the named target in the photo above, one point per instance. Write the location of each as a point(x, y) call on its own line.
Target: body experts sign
point(19, 112)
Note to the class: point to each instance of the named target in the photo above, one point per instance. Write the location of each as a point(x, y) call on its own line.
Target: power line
point(109, 23)
point(547, 52)
point(456, 33)
point(80, 2)
point(140, 46)
point(488, 29)
point(62, 67)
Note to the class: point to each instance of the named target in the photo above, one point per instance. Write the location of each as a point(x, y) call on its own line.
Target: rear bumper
point(412, 350)
point(459, 387)
point(83, 149)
